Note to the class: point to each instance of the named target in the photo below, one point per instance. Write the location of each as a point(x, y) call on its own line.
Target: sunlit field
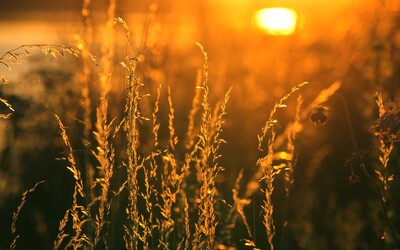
point(200, 124)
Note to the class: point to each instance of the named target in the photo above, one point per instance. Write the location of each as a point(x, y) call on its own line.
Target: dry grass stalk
point(384, 176)
point(170, 186)
point(321, 98)
point(269, 173)
point(17, 55)
point(386, 129)
point(105, 155)
point(84, 78)
point(185, 239)
point(9, 106)
point(132, 118)
point(173, 139)
point(150, 178)
point(235, 211)
point(218, 125)
point(62, 234)
point(206, 165)
point(187, 223)
point(170, 180)
point(253, 185)
point(104, 133)
point(156, 124)
point(290, 151)
point(16, 214)
point(205, 226)
point(71, 159)
point(147, 223)
point(121, 21)
point(79, 217)
point(239, 203)
point(191, 134)
point(271, 120)
point(385, 149)
point(78, 213)
point(266, 170)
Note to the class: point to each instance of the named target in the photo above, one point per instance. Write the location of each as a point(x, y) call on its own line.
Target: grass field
point(156, 130)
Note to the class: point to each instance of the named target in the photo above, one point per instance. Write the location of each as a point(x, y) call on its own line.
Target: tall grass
point(162, 181)
point(14, 233)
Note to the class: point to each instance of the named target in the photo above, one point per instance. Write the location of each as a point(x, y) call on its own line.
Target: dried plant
point(269, 172)
point(173, 200)
point(149, 194)
point(170, 181)
point(70, 158)
point(289, 155)
point(271, 120)
point(239, 204)
point(132, 118)
point(105, 155)
point(8, 105)
point(18, 55)
point(16, 214)
point(356, 156)
point(385, 129)
point(266, 170)
point(78, 213)
point(191, 133)
point(207, 165)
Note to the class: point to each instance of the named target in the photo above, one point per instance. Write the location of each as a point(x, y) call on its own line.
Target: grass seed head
point(387, 126)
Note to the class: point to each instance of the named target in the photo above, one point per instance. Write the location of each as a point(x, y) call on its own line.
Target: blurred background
point(355, 42)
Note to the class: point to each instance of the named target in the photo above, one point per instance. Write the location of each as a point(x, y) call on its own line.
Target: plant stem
point(254, 219)
point(364, 169)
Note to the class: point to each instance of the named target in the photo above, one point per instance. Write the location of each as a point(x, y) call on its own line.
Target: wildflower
point(354, 179)
point(387, 126)
point(319, 116)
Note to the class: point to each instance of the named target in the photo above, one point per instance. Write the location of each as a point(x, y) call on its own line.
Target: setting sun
point(277, 21)
point(204, 124)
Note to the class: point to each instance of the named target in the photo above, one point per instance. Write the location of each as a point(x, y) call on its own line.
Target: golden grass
point(163, 186)
point(16, 214)
point(172, 197)
point(385, 148)
point(78, 213)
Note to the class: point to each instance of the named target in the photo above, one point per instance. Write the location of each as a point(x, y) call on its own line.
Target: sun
point(277, 21)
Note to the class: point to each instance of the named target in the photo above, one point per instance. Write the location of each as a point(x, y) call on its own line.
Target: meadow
point(137, 136)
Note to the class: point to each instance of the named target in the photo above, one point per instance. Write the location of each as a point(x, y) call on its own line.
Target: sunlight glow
point(277, 21)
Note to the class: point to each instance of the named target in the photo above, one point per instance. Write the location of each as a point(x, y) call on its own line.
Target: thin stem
point(364, 169)
point(254, 219)
point(34, 45)
point(381, 198)
point(349, 124)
